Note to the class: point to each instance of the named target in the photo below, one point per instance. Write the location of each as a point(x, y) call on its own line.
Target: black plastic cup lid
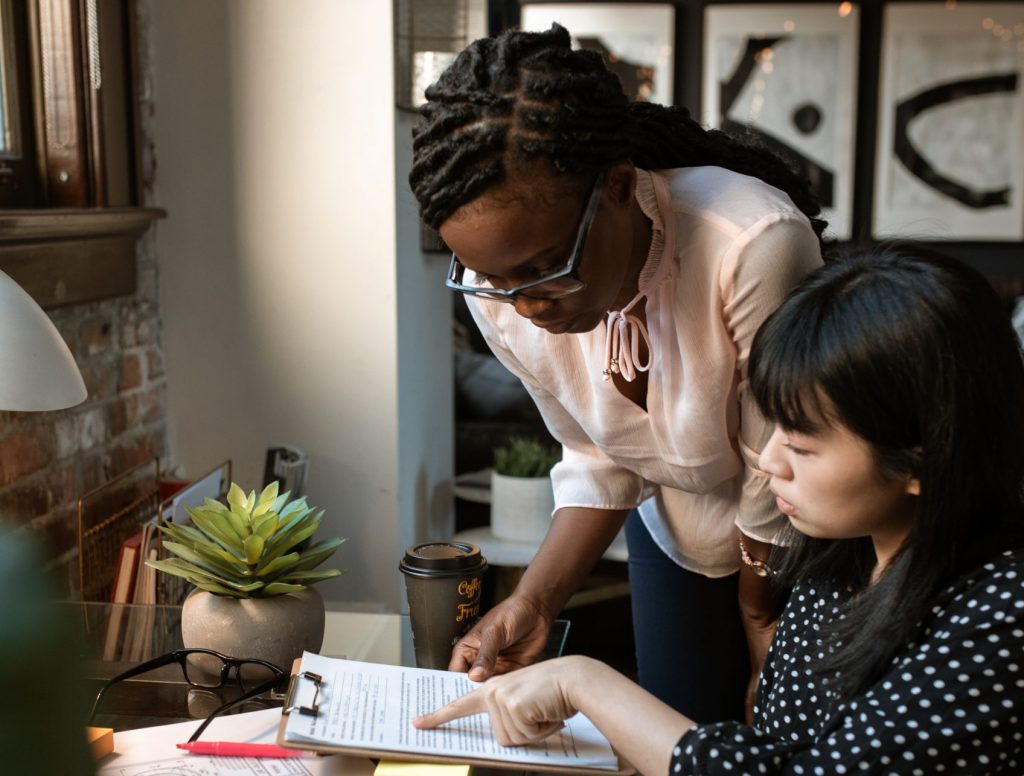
point(442, 559)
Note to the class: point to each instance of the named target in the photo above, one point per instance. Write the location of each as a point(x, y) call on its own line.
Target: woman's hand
point(525, 707)
point(529, 705)
point(514, 632)
point(508, 637)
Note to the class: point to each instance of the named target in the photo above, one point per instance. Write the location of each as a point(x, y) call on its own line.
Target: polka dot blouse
point(950, 703)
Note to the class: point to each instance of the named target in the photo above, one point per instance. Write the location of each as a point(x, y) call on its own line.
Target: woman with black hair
point(639, 253)
point(895, 384)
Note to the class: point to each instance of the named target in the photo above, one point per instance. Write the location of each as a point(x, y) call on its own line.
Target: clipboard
point(625, 769)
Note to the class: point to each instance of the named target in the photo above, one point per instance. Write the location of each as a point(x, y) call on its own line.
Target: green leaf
point(266, 525)
point(294, 521)
point(214, 527)
point(238, 519)
point(168, 568)
point(319, 552)
point(253, 546)
point(267, 498)
point(175, 565)
point(299, 503)
point(284, 541)
point(269, 492)
point(183, 533)
point(213, 566)
point(250, 502)
point(279, 565)
point(280, 588)
point(215, 506)
point(216, 556)
point(310, 577)
point(213, 587)
point(236, 496)
point(280, 501)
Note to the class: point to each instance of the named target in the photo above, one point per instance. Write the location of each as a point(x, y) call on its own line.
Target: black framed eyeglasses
point(557, 285)
point(207, 669)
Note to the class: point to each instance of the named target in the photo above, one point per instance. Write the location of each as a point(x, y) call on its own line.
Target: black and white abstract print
point(786, 77)
point(950, 150)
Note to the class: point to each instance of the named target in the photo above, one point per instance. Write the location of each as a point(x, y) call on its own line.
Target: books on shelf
point(129, 628)
point(123, 588)
point(138, 638)
point(126, 570)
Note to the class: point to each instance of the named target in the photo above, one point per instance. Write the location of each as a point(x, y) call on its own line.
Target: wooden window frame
point(76, 241)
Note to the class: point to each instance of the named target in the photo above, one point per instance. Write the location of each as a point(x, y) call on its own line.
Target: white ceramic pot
point(276, 629)
point(521, 507)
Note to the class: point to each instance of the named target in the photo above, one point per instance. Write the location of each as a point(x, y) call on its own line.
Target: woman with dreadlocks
point(637, 254)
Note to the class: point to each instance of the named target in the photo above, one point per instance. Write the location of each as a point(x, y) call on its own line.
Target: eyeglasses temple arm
point(270, 684)
point(141, 668)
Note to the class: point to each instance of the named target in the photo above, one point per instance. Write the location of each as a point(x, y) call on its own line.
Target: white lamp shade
point(37, 370)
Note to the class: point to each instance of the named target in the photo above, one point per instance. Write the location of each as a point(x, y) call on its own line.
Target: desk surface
point(162, 696)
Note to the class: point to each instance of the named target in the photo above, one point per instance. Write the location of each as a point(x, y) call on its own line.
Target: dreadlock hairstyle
point(525, 97)
point(914, 354)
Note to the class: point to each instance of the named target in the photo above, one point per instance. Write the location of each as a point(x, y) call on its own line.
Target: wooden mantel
point(70, 256)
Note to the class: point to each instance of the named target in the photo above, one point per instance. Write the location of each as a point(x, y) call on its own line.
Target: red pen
point(231, 749)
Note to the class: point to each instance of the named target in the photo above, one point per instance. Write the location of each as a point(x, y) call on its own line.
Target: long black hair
point(525, 96)
point(916, 356)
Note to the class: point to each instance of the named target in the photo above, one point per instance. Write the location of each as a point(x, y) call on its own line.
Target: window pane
point(8, 85)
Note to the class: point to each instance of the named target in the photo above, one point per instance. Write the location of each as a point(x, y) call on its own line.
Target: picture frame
point(785, 76)
point(637, 40)
point(949, 162)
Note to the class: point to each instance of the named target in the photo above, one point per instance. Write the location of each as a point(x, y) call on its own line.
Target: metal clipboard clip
point(289, 701)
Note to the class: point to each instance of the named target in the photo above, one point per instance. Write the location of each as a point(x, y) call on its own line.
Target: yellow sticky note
point(101, 741)
point(396, 768)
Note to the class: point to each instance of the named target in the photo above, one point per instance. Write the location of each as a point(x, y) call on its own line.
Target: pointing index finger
point(464, 706)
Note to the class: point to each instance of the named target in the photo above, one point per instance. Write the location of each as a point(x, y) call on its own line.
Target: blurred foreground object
point(42, 722)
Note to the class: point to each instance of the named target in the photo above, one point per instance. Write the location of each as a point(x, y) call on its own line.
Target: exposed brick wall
point(48, 459)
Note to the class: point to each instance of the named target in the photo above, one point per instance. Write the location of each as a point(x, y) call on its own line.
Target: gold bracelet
point(759, 567)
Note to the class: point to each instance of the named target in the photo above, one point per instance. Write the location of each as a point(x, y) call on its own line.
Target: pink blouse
point(726, 249)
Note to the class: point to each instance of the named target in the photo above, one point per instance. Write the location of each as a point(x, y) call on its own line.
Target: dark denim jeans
point(690, 648)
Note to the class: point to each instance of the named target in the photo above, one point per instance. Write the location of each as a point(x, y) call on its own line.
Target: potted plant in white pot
point(522, 498)
point(253, 596)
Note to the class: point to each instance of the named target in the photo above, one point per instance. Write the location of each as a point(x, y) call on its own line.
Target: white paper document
point(370, 706)
point(153, 751)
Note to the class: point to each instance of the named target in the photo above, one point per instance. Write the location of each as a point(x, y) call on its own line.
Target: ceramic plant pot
point(276, 629)
point(521, 507)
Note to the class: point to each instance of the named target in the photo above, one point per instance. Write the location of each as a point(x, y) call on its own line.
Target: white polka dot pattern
point(952, 702)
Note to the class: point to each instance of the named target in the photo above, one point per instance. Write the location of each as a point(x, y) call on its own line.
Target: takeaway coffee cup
point(442, 582)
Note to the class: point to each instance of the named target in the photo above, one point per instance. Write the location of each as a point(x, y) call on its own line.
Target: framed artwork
point(949, 160)
point(787, 76)
point(636, 39)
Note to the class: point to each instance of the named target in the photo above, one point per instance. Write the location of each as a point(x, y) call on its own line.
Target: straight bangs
point(785, 368)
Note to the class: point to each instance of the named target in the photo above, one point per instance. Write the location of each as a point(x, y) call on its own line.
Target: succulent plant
point(246, 548)
point(524, 457)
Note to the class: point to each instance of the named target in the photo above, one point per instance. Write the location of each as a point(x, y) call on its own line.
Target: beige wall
point(290, 314)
